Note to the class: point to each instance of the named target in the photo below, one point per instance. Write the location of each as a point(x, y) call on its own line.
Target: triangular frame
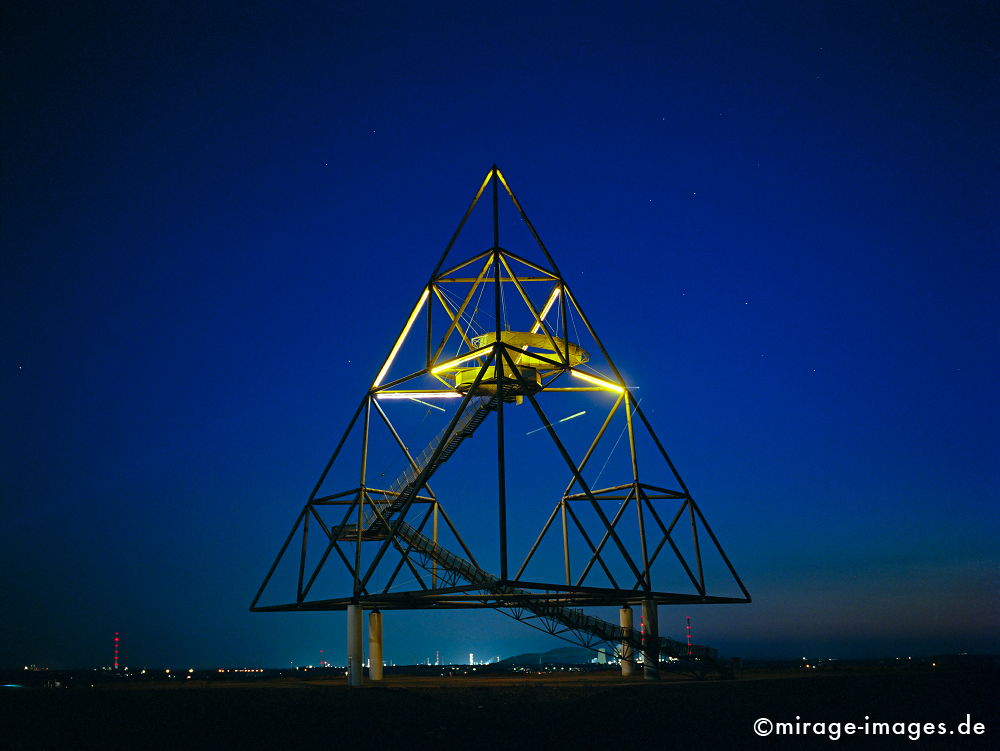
point(490, 368)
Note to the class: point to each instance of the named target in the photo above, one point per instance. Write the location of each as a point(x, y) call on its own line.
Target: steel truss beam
point(377, 517)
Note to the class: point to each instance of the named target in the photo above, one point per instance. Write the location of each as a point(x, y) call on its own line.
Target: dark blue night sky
point(781, 218)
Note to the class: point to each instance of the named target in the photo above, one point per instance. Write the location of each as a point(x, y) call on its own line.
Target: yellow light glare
point(599, 382)
point(402, 336)
point(500, 175)
point(418, 395)
point(459, 360)
point(545, 311)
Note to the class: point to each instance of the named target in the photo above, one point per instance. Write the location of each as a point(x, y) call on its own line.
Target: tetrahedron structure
point(566, 494)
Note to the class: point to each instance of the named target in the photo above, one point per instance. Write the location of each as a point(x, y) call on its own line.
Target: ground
point(579, 711)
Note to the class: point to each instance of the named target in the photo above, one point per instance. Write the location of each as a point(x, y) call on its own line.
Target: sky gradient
point(215, 220)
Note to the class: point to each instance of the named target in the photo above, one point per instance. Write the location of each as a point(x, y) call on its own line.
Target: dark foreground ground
point(575, 712)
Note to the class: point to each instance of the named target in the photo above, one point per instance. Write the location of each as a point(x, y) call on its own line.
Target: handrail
point(408, 484)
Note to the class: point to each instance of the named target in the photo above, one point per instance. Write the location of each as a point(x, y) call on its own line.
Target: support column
point(627, 661)
point(375, 645)
point(650, 641)
point(355, 658)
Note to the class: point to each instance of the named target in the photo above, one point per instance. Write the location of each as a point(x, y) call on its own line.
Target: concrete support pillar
point(355, 646)
point(375, 645)
point(628, 662)
point(650, 641)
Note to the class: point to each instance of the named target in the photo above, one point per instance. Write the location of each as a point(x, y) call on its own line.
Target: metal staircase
point(568, 623)
point(573, 620)
point(405, 487)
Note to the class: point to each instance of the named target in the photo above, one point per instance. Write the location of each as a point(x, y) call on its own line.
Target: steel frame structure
point(492, 371)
